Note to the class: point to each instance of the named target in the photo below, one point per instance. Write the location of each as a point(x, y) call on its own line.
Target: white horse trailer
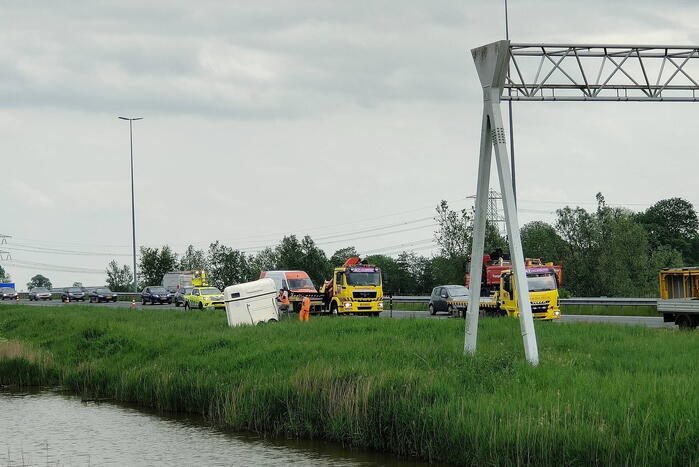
point(251, 302)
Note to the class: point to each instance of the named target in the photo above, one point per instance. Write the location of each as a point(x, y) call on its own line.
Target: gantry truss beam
point(602, 72)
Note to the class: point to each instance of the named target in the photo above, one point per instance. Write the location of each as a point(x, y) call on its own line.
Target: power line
point(58, 251)
point(311, 230)
point(54, 267)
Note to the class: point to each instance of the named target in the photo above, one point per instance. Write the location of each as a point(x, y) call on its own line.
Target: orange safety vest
point(284, 298)
point(306, 305)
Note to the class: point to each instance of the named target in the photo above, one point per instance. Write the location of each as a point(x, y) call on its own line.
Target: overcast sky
point(324, 117)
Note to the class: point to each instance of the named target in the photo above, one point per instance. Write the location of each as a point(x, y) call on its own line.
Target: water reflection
point(40, 428)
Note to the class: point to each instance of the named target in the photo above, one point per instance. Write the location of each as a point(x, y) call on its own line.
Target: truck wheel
point(432, 312)
point(450, 310)
point(333, 308)
point(144, 301)
point(685, 323)
point(201, 306)
point(186, 306)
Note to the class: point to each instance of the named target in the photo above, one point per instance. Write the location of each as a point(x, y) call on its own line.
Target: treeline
point(609, 251)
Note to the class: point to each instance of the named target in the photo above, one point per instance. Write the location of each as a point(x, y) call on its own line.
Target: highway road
point(650, 321)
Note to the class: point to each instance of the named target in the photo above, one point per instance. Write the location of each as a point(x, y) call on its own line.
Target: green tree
point(119, 279)
point(77, 284)
point(154, 263)
point(445, 271)
point(673, 222)
point(4, 276)
point(303, 255)
point(494, 240)
point(343, 254)
point(227, 266)
point(607, 252)
point(454, 230)
point(193, 259)
point(540, 240)
point(264, 260)
point(390, 273)
point(289, 254)
point(39, 281)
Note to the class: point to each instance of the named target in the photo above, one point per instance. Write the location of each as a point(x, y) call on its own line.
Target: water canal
point(48, 428)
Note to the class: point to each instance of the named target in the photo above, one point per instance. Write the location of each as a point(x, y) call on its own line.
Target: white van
point(251, 302)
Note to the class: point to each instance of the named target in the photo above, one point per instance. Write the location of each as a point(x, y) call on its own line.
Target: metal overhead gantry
point(594, 72)
point(549, 73)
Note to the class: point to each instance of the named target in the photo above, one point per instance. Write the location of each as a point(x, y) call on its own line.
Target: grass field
point(603, 395)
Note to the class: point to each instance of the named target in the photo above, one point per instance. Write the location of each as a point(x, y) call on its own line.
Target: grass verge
point(610, 310)
point(603, 395)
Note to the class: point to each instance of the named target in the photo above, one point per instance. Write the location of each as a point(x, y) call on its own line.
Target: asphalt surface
point(650, 321)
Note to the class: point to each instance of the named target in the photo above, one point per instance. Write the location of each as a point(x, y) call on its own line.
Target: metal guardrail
point(609, 301)
point(397, 299)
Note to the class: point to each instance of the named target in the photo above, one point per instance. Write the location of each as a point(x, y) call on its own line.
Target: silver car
point(39, 293)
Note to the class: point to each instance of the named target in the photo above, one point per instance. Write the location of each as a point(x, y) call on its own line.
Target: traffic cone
point(133, 303)
point(68, 299)
point(17, 299)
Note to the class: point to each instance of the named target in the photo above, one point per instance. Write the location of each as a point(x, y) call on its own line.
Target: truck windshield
point(300, 284)
point(541, 283)
point(211, 291)
point(363, 278)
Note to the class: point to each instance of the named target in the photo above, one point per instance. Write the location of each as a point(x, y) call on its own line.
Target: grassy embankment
point(609, 395)
point(608, 310)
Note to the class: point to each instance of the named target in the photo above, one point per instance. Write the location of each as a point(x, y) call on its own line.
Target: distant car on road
point(179, 297)
point(156, 294)
point(73, 294)
point(449, 298)
point(102, 294)
point(8, 293)
point(39, 293)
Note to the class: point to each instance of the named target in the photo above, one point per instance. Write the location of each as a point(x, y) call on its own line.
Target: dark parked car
point(8, 293)
point(39, 293)
point(449, 298)
point(156, 294)
point(102, 294)
point(74, 294)
point(180, 294)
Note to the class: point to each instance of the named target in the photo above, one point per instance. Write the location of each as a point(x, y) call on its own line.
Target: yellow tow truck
point(355, 288)
point(543, 295)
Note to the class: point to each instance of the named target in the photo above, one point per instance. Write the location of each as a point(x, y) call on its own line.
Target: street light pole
point(133, 204)
point(509, 92)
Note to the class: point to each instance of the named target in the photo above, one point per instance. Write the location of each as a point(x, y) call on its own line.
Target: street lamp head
point(132, 119)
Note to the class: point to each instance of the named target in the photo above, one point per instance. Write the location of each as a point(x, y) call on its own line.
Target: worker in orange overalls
point(283, 300)
point(305, 309)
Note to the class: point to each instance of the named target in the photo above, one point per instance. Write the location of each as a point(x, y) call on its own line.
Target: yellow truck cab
point(355, 288)
point(543, 295)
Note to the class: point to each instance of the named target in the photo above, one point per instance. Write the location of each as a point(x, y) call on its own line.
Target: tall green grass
point(610, 310)
point(603, 395)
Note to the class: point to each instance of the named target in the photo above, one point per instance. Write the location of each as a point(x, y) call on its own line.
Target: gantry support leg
point(478, 238)
point(493, 134)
